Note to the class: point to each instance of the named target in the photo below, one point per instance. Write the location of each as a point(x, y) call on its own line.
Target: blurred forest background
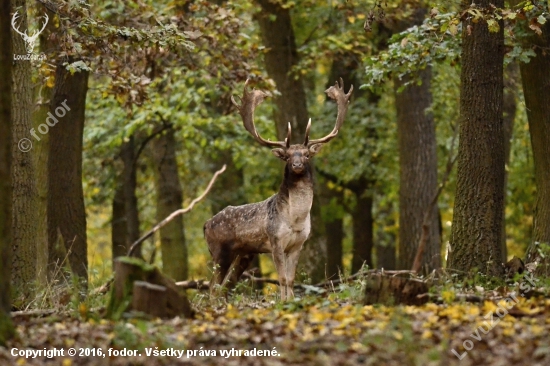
point(149, 84)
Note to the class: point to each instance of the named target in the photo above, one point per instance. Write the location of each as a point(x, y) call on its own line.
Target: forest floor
point(323, 329)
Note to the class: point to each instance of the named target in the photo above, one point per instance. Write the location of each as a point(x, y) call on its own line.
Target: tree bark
point(477, 221)
point(129, 176)
point(6, 90)
point(536, 88)
point(170, 199)
point(25, 215)
point(43, 94)
point(290, 106)
point(418, 172)
point(66, 212)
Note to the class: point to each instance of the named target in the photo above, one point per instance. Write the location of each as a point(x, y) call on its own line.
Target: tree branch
point(175, 213)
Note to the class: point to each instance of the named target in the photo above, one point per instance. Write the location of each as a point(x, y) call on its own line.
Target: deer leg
point(291, 263)
point(279, 260)
point(242, 266)
point(222, 260)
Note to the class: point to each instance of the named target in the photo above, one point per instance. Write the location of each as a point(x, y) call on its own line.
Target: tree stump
point(133, 273)
point(387, 290)
point(150, 299)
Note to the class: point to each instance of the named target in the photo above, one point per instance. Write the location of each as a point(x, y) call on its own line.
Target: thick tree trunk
point(509, 109)
point(129, 176)
point(477, 222)
point(119, 230)
point(536, 88)
point(66, 212)
point(418, 173)
point(169, 199)
point(6, 90)
point(24, 192)
point(43, 94)
point(282, 55)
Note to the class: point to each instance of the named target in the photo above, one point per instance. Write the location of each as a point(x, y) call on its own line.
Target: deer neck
point(296, 194)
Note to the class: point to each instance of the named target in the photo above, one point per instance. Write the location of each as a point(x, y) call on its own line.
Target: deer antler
point(249, 102)
point(337, 93)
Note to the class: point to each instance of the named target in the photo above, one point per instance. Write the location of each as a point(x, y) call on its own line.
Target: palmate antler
point(337, 93)
point(249, 102)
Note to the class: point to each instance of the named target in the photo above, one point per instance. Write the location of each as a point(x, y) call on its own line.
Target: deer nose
point(297, 165)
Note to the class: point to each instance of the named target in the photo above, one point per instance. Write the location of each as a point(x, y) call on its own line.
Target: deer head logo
point(30, 41)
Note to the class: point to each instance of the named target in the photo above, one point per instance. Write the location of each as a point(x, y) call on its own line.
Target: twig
point(194, 285)
point(176, 213)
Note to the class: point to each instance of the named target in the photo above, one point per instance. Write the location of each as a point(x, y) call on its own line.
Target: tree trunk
point(129, 176)
point(119, 230)
point(66, 212)
point(362, 230)
point(43, 94)
point(536, 88)
point(418, 172)
point(169, 199)
point(290, 106)
point(334, 227)
point(6, 89)
point(509, 109)
point(385, 239)
point(24, 192)
point(477, 221)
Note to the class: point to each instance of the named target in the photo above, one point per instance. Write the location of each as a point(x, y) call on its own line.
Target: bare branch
point(176, 213)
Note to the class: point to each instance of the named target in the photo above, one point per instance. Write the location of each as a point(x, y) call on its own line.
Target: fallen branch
point(205, 285)
point(175, 213)
point(39, 312)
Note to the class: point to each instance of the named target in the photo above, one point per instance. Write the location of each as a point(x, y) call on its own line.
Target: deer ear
point(314, 149)
point(280, 153)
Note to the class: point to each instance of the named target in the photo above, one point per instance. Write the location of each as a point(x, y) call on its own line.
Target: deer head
point(30, 41)
point(296, 156)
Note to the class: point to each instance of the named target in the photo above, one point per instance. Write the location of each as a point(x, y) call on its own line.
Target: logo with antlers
point(29, 40)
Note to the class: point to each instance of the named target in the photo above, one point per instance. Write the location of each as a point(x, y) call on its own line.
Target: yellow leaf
point(50, 82)
point(351, 19)
point(489, 306)
point(448, 296)
point(67, 362)
point(397, 335)
point(427, 334)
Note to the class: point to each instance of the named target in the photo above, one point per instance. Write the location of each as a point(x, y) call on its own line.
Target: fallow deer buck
point(281, 224)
